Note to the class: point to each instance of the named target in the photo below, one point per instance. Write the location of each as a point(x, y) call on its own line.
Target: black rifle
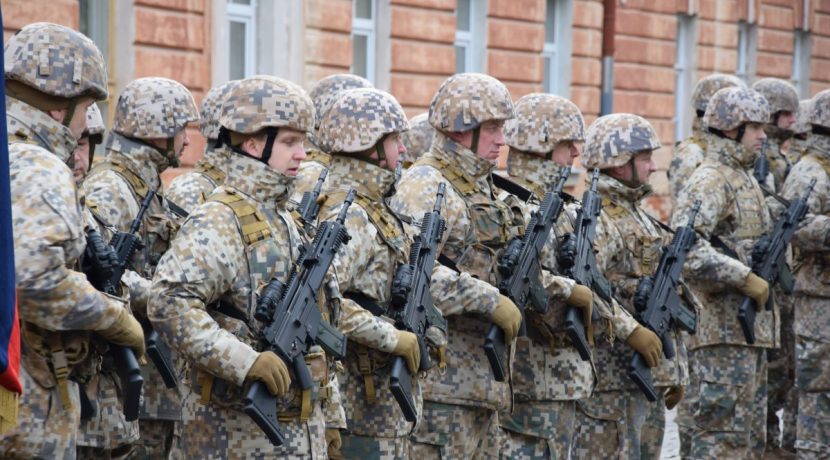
point(660, 307)
point(106, 266)
point(578, 262)
point(412, 307)
point(308, 207)
point(768, 259)
point(761, 170)
point(521, 270)
point(295, 322)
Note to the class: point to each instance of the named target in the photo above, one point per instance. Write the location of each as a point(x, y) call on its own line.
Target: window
point(94, 23)
point(556, 54)
point(363, 38)
point(801, 63)
point(684, 75)
point(242, 38)
point(470, 17)
point(747, 48)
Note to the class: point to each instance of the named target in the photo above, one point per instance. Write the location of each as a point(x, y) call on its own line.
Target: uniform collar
point(730, 153)
point(368, 179)
point(216, 156)
point(618, 192)
point(258, 180)
point(136, 156)
point(460, 157)
point(819, 145)
point(535, 173)
point(28, 124)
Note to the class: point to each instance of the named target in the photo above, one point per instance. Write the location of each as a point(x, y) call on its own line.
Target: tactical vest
point(747, 205)
point(319, 157)
point(209, 171)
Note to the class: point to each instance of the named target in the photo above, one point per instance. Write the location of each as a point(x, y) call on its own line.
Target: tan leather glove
point(757, 288)
point(272, 371)
point(508, 317)
point(673, 396)
point(647, 344)
point(407, 348)
point(125, 331)
point(333, 442)
point(583, 299)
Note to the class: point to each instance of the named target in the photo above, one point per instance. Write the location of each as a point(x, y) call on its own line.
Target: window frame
point(558, 51)
point(473, 41)
point(684, 67)
point(366, 28)
point(246, 15)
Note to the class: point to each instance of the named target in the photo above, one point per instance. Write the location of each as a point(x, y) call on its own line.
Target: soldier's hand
point(673, 396)
point(583, 299)
point(272, 371)
point(408, 348)
point(126, 331)
point(508, 317)
point(647, 344)
point(758, 289)
point(333, 442)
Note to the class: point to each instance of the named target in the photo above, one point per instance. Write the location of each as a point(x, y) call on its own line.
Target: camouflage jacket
point(812, 240)
point(191, 189)
point(688, 154)
point(628, 246)
point(478, 226)
point(734, 210)
point(308, 174)
point(779, 164)
point(206, 286)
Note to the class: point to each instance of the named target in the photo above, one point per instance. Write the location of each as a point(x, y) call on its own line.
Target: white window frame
point(802, 48)
point(684, 68)
point(245, 14)
point(366, 28)
point(473, 41)
point(747, 51)
point(558, 52)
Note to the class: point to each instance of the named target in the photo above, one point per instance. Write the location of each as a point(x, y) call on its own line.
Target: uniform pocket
point(718, 408)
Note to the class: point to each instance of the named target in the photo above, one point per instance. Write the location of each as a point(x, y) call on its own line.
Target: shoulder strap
point(460, 181)
point(138, 185)
point(319, 157)
point(825, 165)
point(390, 230)
point(253, 224)
point(211, 171)
point(512, 187)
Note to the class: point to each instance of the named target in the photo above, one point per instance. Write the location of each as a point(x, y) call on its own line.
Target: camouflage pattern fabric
point(522, 440)
point(243, 112)
point(781, 94)
point(466, 100)
point(212, 108)
point(781, 379)
point(707, 86)
point(153, 108)
point(418, 139)
point(359, 119)
point(372, 447)
point(451, 431)
point(611, 424)
point(802, 129)
point(94, 122)
point(732, 107)
point(615, 138)
point(728, 417)
point(326, 91)
point(190, 189)
point(542, 121)
point(107, 429)
point(687, 156)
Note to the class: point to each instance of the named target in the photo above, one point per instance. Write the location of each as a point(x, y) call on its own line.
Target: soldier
point(801, 132)
point(92, 136)
point(192, 188)
point(324, 93)
point(618, 420)
point(812, 315)
point(461, 405)
point(725, 413)
point(148, 135)
point(361, 131)
point(206, 286)
point(783, 100)
point(53, 74)
point(689, 153)
point(417, 140)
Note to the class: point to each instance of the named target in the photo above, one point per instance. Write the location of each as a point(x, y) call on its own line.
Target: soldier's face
point(753, 137)
point(490, 140)
point(565, 152)
point(288, 151)
point(785, 119)
point(180, 141)
point(81, 155)
point(78, 123)
point(393, 148)
point(644, 165)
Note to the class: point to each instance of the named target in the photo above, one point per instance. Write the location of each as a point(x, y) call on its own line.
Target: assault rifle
point(761, 169)
point(521, 270)
point(412, 307)
point(659, 306)
point(308, 207)
point(768, 259)
point(578, 262)
point(295, 323)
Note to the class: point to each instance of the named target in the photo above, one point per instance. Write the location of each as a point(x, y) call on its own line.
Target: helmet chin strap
point(271, 132)
point(70, 111)
point(474, 141)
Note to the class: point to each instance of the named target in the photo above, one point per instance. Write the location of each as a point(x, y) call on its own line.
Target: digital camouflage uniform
point(801, 129)
point(689, 153)
point(782, 97)
point(461, 403)
point(323, 94)
point(205, 291)
point(190, 189)
point(148, 108)
point(418, 139)
point(812, 289)
point(58, 307)
point(724, 412)
point(548, 374)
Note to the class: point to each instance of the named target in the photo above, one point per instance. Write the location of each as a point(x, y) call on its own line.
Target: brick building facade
point(408, 47)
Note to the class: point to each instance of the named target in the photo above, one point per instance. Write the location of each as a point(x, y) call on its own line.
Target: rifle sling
point(367, 303)
point(714, 240)
point(511, 187)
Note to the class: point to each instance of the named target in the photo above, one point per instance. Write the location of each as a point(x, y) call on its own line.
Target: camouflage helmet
point(419, 137)
point(154, 108)
point(57, 61)
point(780, 94)
point(359, 119)
point(212, 108)
point(542, 121)
point(264, 101)
point(708, 86)
point(820, 110)
point(326, 91)
point(612, 140)
point(802, 119)
point(94, 121)
point(733, 107)
point(466, 100)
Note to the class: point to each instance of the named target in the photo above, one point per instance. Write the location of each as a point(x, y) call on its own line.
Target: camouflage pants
point(107, 429)
point(724, 412)
point(781, 381)
point(612, 425)
point(539, 430)
point(812, 353)
point(366, 448)
point(45, 429)
point(456, 432)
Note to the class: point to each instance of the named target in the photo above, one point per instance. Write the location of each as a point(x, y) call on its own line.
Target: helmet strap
point(269, 144)
point(741, 131)
point(70, 111)
point(225, 139)
point(474, 142)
